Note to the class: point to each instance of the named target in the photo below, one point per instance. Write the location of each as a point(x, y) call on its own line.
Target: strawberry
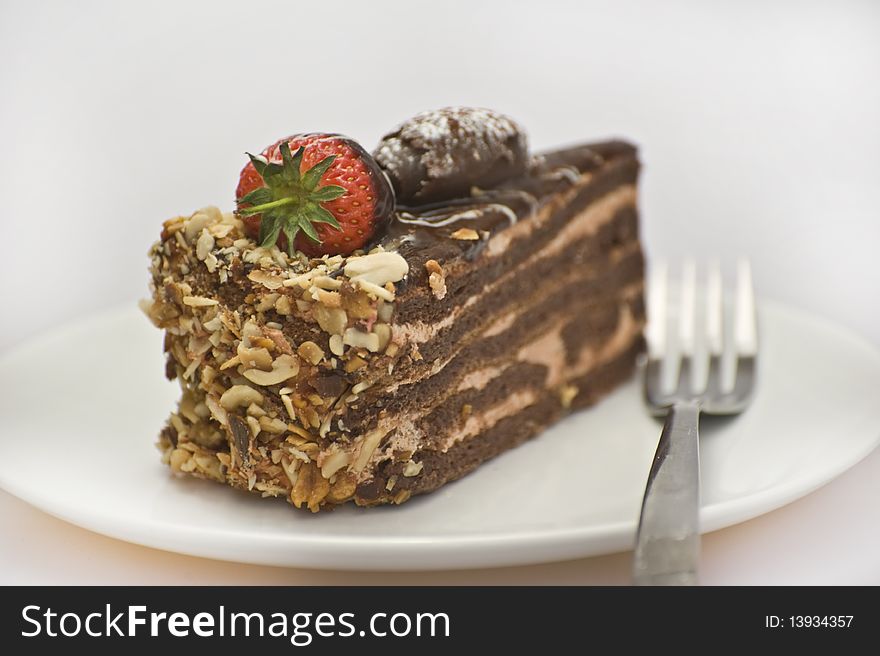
point(317, 193)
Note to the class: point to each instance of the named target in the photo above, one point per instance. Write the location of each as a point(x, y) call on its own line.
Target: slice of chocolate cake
point(503, 291)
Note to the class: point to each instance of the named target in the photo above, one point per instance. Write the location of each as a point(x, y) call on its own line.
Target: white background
point(759, 125)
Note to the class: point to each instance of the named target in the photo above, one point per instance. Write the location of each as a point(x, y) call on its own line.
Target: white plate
point(81, 407)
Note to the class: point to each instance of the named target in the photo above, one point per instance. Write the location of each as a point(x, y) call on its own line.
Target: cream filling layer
point(550, 355)
point(626, 295)
point(479, 378)
point(534, 352)
point(409, 437)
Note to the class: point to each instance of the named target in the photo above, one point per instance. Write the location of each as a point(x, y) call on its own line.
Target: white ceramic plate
point(80, 409)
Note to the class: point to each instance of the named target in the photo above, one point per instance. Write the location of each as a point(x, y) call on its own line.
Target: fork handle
point(667, 548)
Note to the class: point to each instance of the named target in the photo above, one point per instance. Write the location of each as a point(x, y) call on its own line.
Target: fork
point(667, 547)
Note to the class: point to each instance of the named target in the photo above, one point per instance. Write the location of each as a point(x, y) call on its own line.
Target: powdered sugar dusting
point(442, 153)
point(465, 130)
point(390, 154)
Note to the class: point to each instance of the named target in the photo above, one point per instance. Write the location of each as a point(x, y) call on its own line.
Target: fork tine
point(714, 331)
point(687, 316)
point(745, 335)
point(745, 322)
point(656, 331)
point(687, 307)
point(714, 310)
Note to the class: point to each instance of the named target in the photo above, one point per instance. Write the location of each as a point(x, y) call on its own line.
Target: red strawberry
point(317, 193)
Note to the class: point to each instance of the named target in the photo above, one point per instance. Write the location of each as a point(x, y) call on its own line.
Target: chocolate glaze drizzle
point(489, 211)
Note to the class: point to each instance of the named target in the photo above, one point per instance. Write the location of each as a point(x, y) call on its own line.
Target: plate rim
point(426, 553)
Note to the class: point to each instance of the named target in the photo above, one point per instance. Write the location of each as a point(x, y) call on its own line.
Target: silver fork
point(667, 548)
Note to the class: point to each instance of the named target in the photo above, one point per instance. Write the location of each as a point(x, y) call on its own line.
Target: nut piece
point(354, 337)
point(436, 279)
point(268, 280)
point(433, 266)
point(199, 301)
point(567, 394)
point(195, 224)
point(254, 358)
point(240, 396)
point(283, 367)
point(465, 234)
point(217, 412)
point(343, 489)
point(210, 466)
point(354, 363)
point(336, 345)
point(331, 320)
point(204, 245)
point(266, 302)
point(368, 446)
point(329, 299)
point(279, 340)
point(179, 460)
point(383, 331)
point(413, 468)
point(275, 426)
point(311, 488)
point(282, 306)
point(213, 213)
point(231, 362)
point(385, 312)
point(376, 290)
point(251, 330)
point(326, 282)
point(377, 268)
point(361, 386)
point(310, 352)
point(254, 425)
point(334, 462)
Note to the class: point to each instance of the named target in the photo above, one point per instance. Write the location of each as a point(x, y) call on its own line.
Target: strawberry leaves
point(312, 177)
point(257, 197)
point(290, 200)
point(269, 230)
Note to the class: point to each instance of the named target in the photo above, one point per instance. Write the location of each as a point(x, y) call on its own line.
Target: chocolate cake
point(504, 290)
